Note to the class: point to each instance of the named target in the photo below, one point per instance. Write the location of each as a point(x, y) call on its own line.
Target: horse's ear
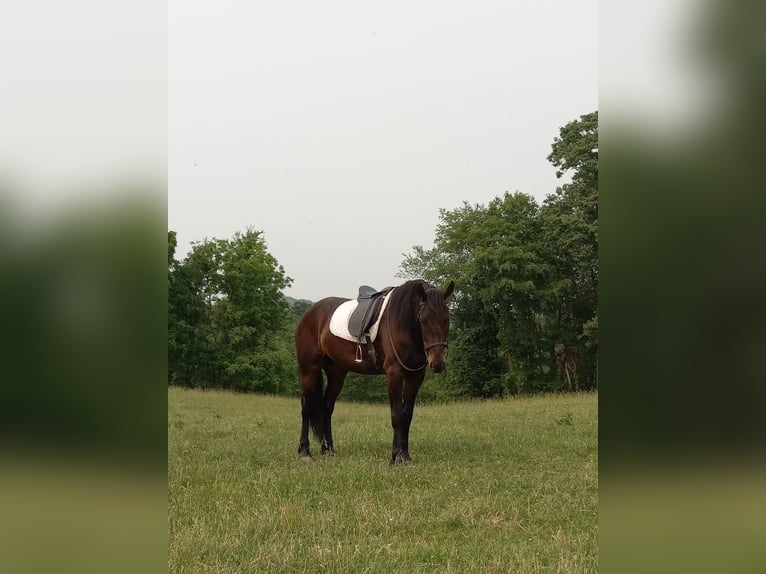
point(448, 291)
point(421, 291)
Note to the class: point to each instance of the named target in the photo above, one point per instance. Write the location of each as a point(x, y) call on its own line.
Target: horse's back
point(313, 327)
point(321, 311)
point(317, 317)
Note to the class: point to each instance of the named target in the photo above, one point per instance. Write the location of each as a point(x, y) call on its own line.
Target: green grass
point(495, 486)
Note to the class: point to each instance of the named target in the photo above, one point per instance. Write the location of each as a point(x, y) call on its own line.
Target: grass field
point(495, 486)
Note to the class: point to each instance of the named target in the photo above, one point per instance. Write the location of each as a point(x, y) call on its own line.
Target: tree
point(298, 307)
point(186, 319)
point(251, 313)
point(525, 311)
point(570, 223)
point(491, 254)
point(230, 321)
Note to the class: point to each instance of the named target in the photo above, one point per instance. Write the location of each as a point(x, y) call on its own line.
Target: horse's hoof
point(328, 452)
point(304, 453)
point(401, 458)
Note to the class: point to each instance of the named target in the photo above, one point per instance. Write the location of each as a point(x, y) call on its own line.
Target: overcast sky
point(340, 128)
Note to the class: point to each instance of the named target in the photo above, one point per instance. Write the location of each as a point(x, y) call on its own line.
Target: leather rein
point(426, 346)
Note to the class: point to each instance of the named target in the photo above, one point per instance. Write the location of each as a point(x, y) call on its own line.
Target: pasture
point(495, 486)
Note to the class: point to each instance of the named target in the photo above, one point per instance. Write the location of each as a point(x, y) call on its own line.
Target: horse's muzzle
point(437, 356)
point(437, 367)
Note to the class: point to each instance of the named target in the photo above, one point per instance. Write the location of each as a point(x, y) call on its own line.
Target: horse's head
point(433, 315)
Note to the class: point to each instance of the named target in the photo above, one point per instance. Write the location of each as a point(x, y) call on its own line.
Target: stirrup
point(358, 358)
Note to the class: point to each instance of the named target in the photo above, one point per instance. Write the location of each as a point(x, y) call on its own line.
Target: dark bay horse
point(412, 335)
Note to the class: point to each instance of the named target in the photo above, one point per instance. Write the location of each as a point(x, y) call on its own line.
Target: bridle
point(426, 346)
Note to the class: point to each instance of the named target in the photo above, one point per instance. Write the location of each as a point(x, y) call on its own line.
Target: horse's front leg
point(402, 395)
point(397, 417)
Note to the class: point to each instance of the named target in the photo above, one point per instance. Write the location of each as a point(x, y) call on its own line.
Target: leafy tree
point(186, 318)
point(489, 251)
point(230, 322)
point(298, 307)
point(570, 225)
point(525, 313)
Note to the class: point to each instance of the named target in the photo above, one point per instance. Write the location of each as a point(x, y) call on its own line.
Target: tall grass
point(496, 486)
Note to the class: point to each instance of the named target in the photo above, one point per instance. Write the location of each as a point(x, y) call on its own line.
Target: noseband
point(425, 346)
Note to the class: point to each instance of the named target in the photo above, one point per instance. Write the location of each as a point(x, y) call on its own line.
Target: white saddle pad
point(339, 319)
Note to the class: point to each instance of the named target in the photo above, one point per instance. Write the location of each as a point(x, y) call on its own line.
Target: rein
point(425, 346)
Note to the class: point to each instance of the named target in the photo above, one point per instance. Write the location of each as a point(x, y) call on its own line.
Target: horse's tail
point(316, 412)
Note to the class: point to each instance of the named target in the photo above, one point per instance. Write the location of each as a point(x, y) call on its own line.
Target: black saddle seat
point(369, 303)
point(367, 292)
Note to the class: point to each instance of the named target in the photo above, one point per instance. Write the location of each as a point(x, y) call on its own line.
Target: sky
point(340, 129)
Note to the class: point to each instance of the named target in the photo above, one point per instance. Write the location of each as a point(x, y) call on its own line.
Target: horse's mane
point(403, 307)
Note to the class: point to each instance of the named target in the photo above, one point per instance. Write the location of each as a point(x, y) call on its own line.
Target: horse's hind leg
point(303, 442)
point(311, 409)
point(335, 379)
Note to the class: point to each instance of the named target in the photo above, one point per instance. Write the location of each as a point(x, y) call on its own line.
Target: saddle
point(369, 303)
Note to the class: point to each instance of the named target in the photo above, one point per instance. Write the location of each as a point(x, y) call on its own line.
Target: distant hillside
point(292, 300)
point(298, 306)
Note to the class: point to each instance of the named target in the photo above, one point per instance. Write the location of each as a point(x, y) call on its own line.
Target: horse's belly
point(344, 353)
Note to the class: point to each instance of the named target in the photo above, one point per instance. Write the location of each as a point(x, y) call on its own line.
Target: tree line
point(524, 315)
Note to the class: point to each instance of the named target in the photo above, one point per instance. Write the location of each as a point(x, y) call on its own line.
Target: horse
point(412, 335)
